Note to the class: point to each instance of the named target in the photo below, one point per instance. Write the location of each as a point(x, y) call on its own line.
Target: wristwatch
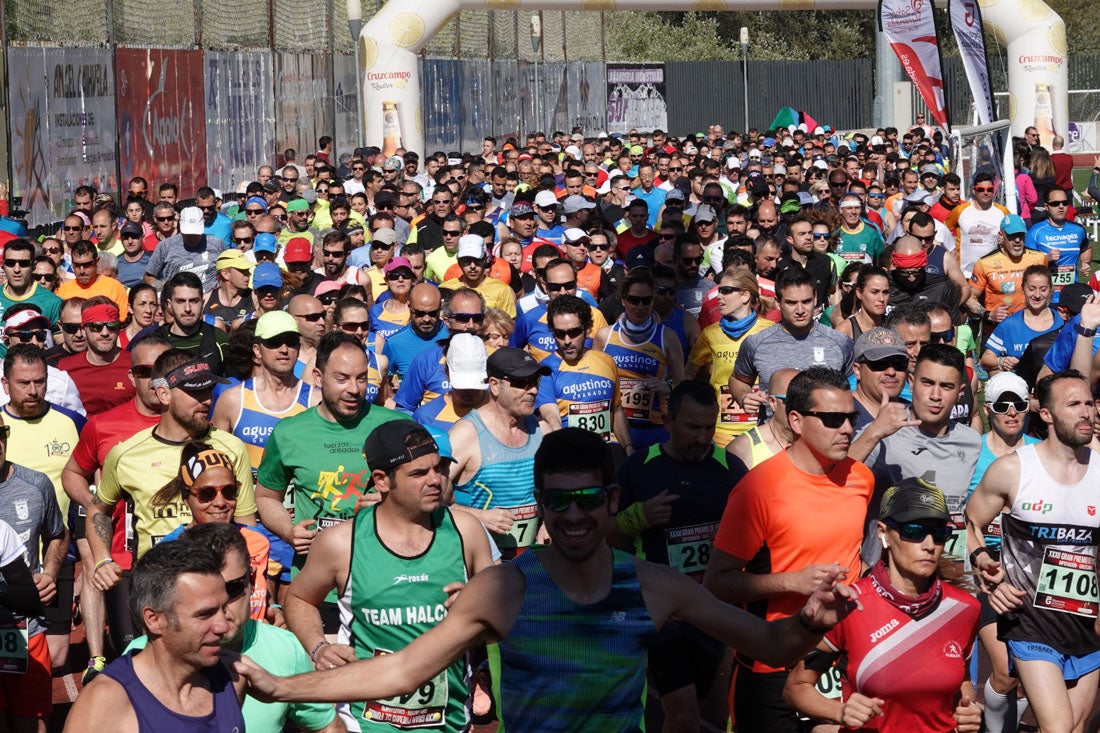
point(980, 551)
point(1082, 331)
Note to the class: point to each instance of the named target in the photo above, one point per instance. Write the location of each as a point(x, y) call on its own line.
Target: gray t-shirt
point(29, 505)
point(171, 257)
point(774, 348)
point(690, 296)
point(947, 461)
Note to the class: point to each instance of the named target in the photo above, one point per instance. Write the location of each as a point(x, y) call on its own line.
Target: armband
point(984, 549)
point(273, 606)
point(632, 521)
point(817, 630)
point(1082, 331)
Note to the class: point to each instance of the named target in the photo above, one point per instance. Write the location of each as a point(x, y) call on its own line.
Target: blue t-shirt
point(1069, 239)
point(1061, 351)
point(221, 228)
point(425, 379)
point(1012, 335)
point(554, 234)
point(655, 199)
point(404, 345)
point(133, 273)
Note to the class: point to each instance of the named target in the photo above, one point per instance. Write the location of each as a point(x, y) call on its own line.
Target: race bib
point(594, 417)
point(329, 522)
point(955, 547)
point(637, 400)
point(424, 707)
point(689, 547)
point(1067, 583)
point(829, 684)
point(854, 256)
point(1063, 275)
point(729, 411)
point(524, 527)
point(14, 642)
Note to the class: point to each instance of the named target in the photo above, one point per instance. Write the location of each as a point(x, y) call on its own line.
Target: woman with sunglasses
point(390, 315)
point(144, 312)
point(207, 485)
point(716, 349)
point(872, 296)
point(649, 358)
point(352, 316)
point(907, 650)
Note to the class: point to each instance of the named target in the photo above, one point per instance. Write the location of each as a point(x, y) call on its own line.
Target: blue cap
point(769, 142)
point(258, 200)
point(267, 274)
point(1012, 224)
point(265, 242)
point(442, 441)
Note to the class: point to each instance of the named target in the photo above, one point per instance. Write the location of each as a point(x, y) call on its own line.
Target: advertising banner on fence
point(240, 116)
point(161, 117)
point(587, 90)
point(62, 107)
point(303, 102)
point(966, 22)
point(910, 27)
point(636, 97)
point(441, 117)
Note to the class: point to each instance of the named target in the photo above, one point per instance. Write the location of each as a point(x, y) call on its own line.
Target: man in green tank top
point(572, 619)
point(395, 566)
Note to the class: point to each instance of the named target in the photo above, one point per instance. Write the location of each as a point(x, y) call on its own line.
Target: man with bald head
point(424, 330)
point(309, 314)
point(767, 218)
point(911, 280)
point(762, 441)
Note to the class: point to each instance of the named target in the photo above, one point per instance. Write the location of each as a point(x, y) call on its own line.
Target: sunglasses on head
point(833, 420)
point(917, 531)
point(235, 588)
point(572, 333)
point(207, 493)
point(586, 499)
point(1002, 407)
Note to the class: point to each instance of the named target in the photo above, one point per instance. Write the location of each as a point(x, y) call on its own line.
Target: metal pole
point(536, 42)
point(745, 72)
point(355, 24)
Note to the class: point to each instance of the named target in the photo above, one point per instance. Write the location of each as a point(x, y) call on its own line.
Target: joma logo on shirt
point(882, 631)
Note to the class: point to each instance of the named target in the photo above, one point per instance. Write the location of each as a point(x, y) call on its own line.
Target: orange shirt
point(782, 519)
point(501, 270)
point(1002, 280)
point(103, 285)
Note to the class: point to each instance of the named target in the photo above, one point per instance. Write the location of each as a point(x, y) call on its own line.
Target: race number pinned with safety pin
point(1067, 583)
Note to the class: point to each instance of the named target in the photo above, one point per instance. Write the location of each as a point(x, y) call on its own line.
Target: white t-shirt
point(11, 548)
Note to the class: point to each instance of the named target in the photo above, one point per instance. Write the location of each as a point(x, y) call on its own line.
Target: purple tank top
point(153, 717)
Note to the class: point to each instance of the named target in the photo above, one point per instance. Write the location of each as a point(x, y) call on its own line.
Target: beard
point(1066, 432)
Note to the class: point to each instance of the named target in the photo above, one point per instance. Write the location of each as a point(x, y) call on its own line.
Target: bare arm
point(76, 483)
point(325, 569)
point(98, 530)
point(226, 409)
point(955, 275)
point(621, 428)
point(727, 580)
point(675, 357)
point(549, 417)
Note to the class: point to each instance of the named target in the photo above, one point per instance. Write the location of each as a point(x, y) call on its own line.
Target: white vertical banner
point(910, 27)
point(966, 23)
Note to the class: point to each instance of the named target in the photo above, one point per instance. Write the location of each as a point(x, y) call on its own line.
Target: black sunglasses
point(311, 317)
point(292, 340)
point(833, 420)
point(235, 588)
point(898, 363)
point(586, 499)
point(561, 333)
point(917, 531)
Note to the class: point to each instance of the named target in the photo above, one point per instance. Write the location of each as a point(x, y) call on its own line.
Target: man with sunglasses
point(335, 246)
point(976, 223)
point(427, 229)
point(557, 277)
point(19, 284)
point(309, 314)
point(100, 372)
point(811, 531)
point(881, 366)
point(471, 256)
point(425, 329)
point(440, 259)
point(691, 286)
point(88, 283)
point(1063, 242)
point(215, 223)
point(639, 233)
point(75, 227)
point(134, 258)
point(165, 220)
point(192, 251)
point(298, 259)
point(997, 282)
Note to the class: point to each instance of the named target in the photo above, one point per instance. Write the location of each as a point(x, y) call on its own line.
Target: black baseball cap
point(508, 361)
point(192, 376)
point(913, 499)
point(1073, 297)
point(396, 442)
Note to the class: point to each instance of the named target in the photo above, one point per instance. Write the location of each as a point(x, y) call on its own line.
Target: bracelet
point(984, 549)
point(317, 646)
point(816, 630)
point(273, 606)
point(104, 561)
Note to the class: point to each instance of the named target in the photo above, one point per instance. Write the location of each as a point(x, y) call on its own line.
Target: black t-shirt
point(820, 268)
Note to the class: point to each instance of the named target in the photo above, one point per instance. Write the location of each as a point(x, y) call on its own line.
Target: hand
point(753, 401)
point(452, 590)
point(858, 709)
point(498, 520)
point(47, 587)
point(989, 573)
point(369, 498)
point(301, 536)
point(275, 617)
point(809, 579)
point(331, 656)
point(658, 510)
point(1090, 312)
point(1006, 598)
point(892, 417)
point(968, 716)
point(1008, 363)
point(261, 685)
point(106, 576)
point(1086, 270)
point(832, 601)
point(998, 314)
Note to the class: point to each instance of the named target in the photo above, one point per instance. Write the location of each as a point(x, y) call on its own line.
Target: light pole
point(745, 72)
point(355, 24)
point(536, 42)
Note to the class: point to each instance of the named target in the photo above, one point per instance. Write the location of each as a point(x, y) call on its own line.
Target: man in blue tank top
point(177, 683)
point(572, 620)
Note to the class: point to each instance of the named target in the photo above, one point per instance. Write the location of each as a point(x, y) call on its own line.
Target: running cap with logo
point(265, 242)
point(466, 362)
point(233, 258)
point(1073, 297)
point(397, 442)
point(1013, 224)
point(470, 245)
point(267, 275)
point(191, 221)
point(879, 343)
point(192, 376)
point(914, 499)
point(705, 212)
point(573, 204)
point(397, 263)
point(25, 320)
point(131, 229)
point(298, 249)
point(508, 361)
point(546, 199)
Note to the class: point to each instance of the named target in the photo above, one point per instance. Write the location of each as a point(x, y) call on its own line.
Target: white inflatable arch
point(1033, 34)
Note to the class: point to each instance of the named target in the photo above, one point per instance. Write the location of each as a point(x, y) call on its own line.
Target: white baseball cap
point(470, 245)
point(191, 221)
point(546, 199)
point(466, 357)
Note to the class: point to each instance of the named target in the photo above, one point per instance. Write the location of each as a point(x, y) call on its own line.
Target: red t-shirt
point(529, 252)
point(916, 666)
point(628, 241)
point(101, 387)
point(782, 519)
point(102, 433)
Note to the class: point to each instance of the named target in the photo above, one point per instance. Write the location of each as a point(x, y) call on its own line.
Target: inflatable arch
point(1033, 34)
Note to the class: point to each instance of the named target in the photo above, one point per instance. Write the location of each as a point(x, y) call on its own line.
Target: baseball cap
point(1073, 296)
point(396, 442)
point(919, 197)
point(271, 186)
point(575, 203)
point(327, 286)
point(577, 137)
point(25, 319)
point(521, 208)
point(929, 170)
point(470, 245)
point(397, 263)
point(637, 150)
point(384, 198)
point(879, 343)
point(508, 361)
point(573, 235)
point(233, 258)
point(1013, 224)
point(384, 235)
point(297, 205)
point(913, 499)
point(192, 376)
point(466, 359)
point(705, 212)
point(309, 196)
point(131, 229)
point(1003, 383)
point(545, 199)
point(274, 323)
point(267, 275)
point(393, 163)
point(298, 249)
point(191, 221)
point(674, 195)
point(265, 242)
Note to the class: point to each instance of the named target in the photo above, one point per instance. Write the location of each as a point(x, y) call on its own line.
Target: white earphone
point(884, 546)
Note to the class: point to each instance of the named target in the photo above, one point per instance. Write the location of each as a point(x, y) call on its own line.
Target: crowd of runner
point(391, 442)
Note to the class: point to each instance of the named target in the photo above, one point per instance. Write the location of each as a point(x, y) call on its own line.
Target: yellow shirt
point(102, 285)
point(718, 350)
point(496, 293)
